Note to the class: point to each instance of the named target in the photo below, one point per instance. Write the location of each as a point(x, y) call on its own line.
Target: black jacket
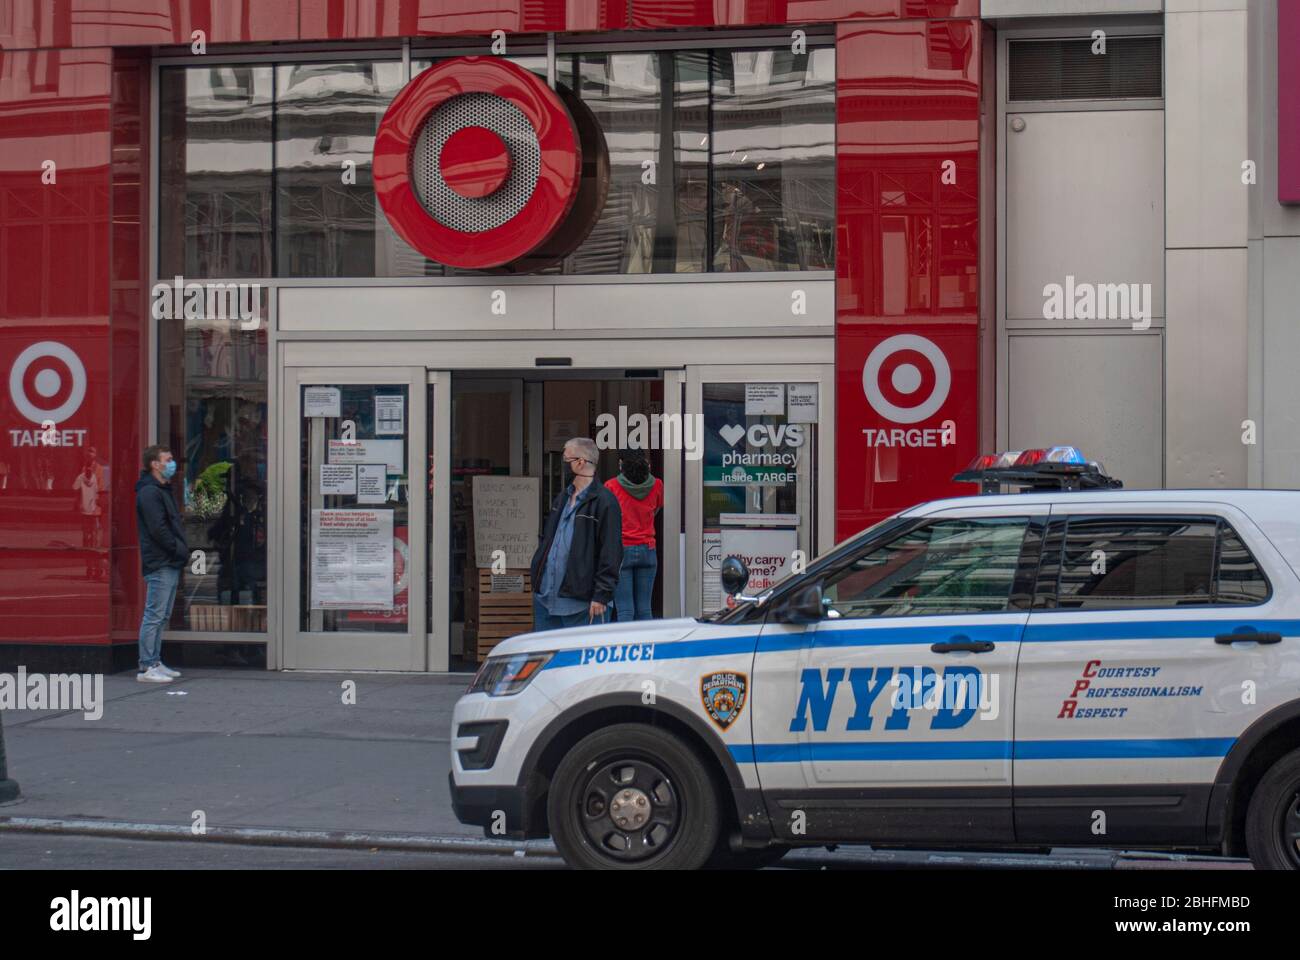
point(158, 523)
point(596, 552)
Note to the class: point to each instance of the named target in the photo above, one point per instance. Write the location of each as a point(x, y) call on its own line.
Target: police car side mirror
point(734, 576)
point(806, 606)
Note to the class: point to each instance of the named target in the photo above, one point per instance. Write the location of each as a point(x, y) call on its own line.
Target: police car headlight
point(502, 676)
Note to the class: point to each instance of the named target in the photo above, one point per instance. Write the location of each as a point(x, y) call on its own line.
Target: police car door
point(1129, 691)
point(893, 720)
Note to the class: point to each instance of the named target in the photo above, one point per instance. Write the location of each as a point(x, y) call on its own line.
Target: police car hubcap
point(630, 809)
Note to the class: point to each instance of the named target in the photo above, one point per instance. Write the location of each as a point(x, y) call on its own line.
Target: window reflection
point(212, 412)
point(773, 160)
point(328, 222)
point(215, 172)
point(653, 110)
point(720, 161)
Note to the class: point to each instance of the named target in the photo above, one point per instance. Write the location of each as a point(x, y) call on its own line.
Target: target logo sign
point(479, 164)
point(47, 382)
point(906, 378)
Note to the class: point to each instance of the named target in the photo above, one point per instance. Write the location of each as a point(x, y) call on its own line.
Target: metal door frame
point(303, 650)
point(822, 374)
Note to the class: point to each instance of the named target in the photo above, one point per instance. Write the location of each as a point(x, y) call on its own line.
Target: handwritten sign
point(505, 518)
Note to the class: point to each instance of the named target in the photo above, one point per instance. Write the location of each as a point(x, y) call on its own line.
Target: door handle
point(962, 644)
point(1248, 636)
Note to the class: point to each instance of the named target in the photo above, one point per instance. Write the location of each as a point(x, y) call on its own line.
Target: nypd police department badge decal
point(724, 696)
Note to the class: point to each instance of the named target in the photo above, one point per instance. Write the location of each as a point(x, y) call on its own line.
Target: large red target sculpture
point(480, 165)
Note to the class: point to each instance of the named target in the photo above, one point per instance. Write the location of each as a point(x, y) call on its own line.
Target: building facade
point(841, 247)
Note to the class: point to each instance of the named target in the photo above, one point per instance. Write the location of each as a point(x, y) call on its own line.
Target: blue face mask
point(169, 469)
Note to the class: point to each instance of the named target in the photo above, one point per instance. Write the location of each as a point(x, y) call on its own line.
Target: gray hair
point(586, 448)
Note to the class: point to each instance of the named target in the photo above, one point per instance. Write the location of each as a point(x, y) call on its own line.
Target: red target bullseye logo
point(906, 378)
point(47, 382)
point(479, 164)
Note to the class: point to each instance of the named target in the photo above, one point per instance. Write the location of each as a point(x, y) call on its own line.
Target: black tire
point(612, 771)
point(1273, 817)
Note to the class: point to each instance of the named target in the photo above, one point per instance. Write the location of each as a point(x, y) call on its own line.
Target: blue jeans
point(634, 595)
point(160, 594)
point(543, 619)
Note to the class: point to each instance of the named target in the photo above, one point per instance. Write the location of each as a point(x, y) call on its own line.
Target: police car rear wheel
point(1273, 817)
point(632, 797)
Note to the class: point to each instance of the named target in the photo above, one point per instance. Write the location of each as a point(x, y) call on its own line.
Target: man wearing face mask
point(575, 568)
point(162, 554)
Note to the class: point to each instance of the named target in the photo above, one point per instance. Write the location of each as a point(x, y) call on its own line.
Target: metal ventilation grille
point(1069, 70)
point(469, 215)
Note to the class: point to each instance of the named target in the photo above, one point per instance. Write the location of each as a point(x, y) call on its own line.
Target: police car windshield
point(831, 556)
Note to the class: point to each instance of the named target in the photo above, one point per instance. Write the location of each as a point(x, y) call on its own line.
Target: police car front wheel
point(1273, 817)
point(633, 797)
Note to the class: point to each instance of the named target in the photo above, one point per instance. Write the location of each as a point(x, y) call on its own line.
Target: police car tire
point(701, 817)
point(1268, 803)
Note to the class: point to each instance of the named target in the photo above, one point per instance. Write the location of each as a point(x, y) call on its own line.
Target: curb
point(263, 836)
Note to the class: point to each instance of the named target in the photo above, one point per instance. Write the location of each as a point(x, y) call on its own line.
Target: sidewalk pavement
point(249, 749)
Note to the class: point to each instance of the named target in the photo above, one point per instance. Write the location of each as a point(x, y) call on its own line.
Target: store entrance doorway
point(510, 427)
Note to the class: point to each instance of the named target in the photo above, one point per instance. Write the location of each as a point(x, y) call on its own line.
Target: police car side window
point(946, 567)
point(1115, 564)
point(1238, 578)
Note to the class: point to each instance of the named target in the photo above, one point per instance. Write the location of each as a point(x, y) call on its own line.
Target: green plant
point(205, 504)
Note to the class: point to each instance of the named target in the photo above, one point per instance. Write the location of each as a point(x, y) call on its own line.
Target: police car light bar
point(1044, 468)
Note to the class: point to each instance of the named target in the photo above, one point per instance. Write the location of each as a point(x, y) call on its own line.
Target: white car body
point(827, 746)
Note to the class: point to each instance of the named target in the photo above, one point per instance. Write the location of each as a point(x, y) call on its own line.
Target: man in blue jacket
point(162, 554)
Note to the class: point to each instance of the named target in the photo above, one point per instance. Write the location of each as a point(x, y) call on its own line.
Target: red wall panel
point(116, 23)
point(354, 19)
point(54, 364)
point(128, 396)
point(907, 284)
point(660, 14)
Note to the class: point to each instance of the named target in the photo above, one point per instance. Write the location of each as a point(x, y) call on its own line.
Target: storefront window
point(328, 222)
point(773, 160)
point(212, 412)
point(215, 172)
point(653, 110)
point(719, 161)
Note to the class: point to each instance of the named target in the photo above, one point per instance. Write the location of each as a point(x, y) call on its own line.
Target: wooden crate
point(501, 616)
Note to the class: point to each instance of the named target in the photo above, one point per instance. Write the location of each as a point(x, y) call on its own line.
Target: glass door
point(355, 520)
point(762, 489)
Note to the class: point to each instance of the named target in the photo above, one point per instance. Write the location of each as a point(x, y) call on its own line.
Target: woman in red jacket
point(640, 496)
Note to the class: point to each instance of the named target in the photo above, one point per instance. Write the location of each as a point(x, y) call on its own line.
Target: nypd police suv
point(1070, 665)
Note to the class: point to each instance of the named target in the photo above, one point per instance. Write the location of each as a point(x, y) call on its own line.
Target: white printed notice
point(802, 400)
point(505, 518)
point(767, 554)
point(321, 401)
point(371, 478)
point(389, 452)
point(711, 587)
point(352, 559)
point(337, 478)
point(390, 414)
point(764, 399)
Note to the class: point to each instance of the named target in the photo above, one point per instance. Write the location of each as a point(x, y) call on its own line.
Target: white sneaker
point(153, 675)
point(168, 670)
